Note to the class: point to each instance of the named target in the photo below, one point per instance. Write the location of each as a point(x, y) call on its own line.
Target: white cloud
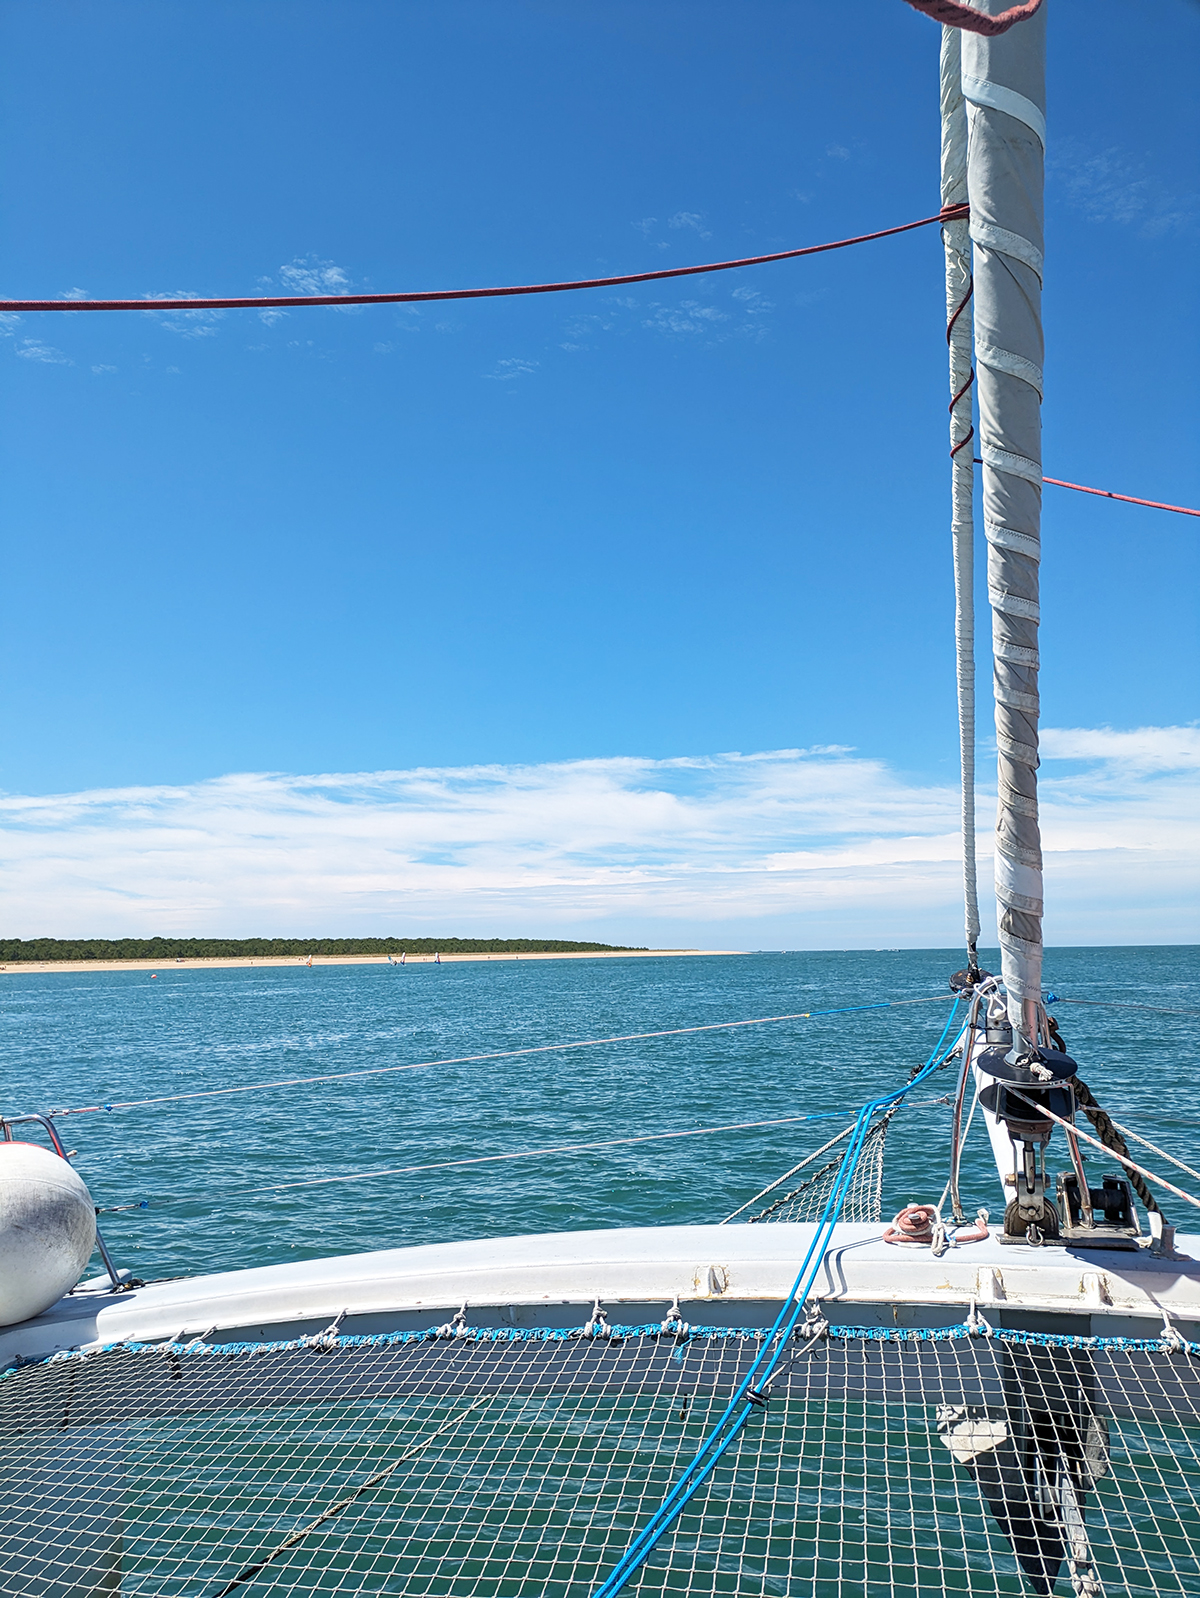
point(100, 370)
point(689, 316)
point(9, 322)
point(690, 219)
point(73, 294)
point(308, 275)
point(32, 349)
point(1140, 749)
point(514, 366)
point(754, 303)
point(817, 848)
point(188, 324)
point(1112, 186)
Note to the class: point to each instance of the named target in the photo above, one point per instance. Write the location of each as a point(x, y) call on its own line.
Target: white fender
point(47, 1230)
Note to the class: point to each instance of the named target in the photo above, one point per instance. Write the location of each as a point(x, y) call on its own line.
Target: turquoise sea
point(206, 1166)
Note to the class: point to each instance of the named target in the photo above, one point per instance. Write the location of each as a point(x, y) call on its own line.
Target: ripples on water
point(76, 1039)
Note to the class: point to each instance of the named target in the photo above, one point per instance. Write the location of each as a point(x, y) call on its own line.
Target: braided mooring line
point(1113, 1140)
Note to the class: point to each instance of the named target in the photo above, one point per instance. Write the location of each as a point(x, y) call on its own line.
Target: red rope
point(1129, 499)
point(1107, 493)
point(956, 15)
point(951, 213)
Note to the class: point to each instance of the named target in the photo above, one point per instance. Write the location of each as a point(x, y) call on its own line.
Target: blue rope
point(742, 1405)
point(678, 1334)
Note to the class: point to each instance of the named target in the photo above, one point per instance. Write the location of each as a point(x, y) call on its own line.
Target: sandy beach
point(41, 966)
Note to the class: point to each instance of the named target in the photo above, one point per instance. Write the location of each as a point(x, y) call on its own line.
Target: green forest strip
point(14, 951)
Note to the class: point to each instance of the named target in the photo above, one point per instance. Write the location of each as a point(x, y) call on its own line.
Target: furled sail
point(1003, 84)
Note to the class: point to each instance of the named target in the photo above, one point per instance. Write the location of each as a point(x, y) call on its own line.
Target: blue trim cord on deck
point(752, 1390)
point(681, 1335)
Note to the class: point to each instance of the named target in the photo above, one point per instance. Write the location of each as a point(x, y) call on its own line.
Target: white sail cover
point(1003, 83)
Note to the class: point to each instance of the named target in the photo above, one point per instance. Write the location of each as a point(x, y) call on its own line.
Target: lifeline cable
point(530, 1154)
point(498, 1054)
point(1118, 1004)
point(749, 1396)
point(952, 213)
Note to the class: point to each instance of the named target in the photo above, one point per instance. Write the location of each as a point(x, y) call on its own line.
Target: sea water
point(239, 1179)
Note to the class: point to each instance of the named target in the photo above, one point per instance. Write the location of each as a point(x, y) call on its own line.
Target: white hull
point(719, 1275)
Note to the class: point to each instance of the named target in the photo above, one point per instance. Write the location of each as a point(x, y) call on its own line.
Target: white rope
point(530, 1154)
point(816, 1155)
point(1112, 1154)
point(1154, 1149)
point(496, 1054)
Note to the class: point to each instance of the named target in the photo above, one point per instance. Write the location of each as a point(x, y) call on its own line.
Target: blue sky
point(650, 525)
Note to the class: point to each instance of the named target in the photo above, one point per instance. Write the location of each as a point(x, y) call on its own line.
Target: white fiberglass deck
point(720, 1275)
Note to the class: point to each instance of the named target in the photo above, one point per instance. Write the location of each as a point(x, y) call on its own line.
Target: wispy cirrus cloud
point(690, 219)
point(1111, 185)
point(187, 324)
point(33, 349)
point(511, 368)
point(688, 316)
point(820, 848)
point(310, 275)
point(306, 274)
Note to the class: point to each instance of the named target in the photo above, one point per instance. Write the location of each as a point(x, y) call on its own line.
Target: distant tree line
point(15, 950)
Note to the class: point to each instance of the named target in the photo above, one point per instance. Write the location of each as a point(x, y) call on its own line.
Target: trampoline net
point(522, 1463)
point(804, 1199)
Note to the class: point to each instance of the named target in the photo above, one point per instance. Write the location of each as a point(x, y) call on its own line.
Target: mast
point(1003, 84)
point(957, 244)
